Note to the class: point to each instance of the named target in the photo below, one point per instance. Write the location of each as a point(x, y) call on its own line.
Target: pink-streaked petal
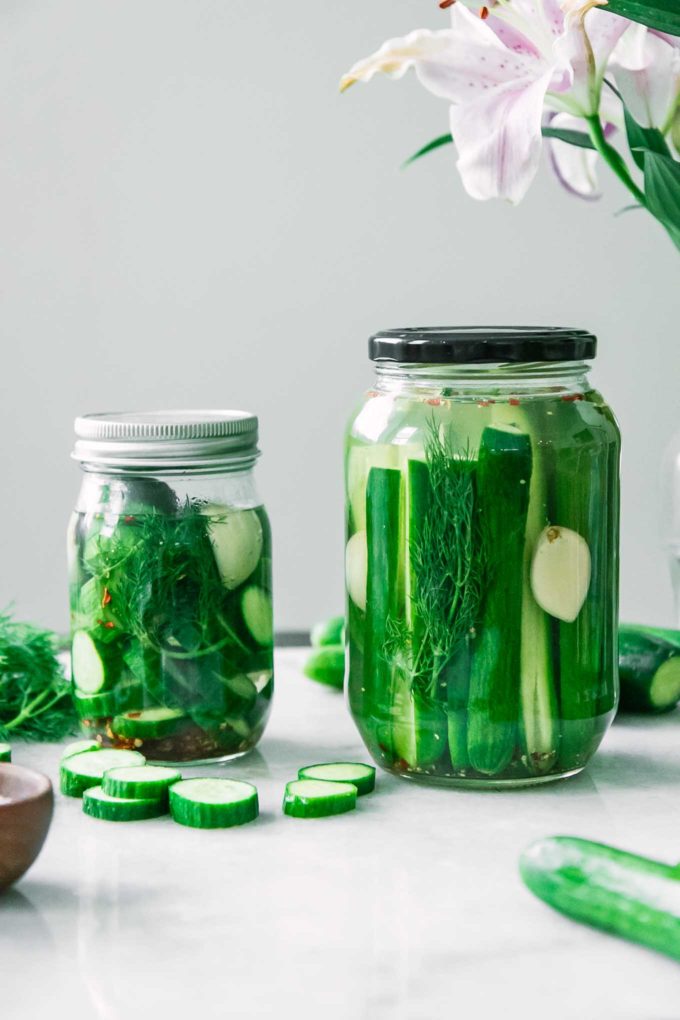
point(574, 167)
point(597, 33)
point(498, 138)
point(647, 73)
point(511, 37)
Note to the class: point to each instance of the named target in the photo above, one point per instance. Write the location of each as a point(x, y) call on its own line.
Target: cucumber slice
point(99, 804)
point(356, 569)
point(5, 752)
point(91, 671)
point(649, 670)
point(98, 706)
point(316, 798)
point(147, 723)
point(327, 666)
point(213, 803)
point(241, 687)
point(145, 782)
point(359, 775)
point(82, 771)
point(80, 747)
point(328, 632)
point(237, 541)
point(256, 606)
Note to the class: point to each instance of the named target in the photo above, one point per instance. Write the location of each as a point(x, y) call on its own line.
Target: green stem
point(28, 712)
point(613, 159)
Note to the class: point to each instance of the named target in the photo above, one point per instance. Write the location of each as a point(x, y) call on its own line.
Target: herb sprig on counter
point(35, 696)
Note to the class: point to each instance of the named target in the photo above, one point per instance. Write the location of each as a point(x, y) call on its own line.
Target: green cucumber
point(93, 670)
point(96, 706)
point(360, 461)
point(328, 632)
point(633, 897)
point(99, 804)
point(539, 727)
point(5, 752)
point(81, 771)
point(148, 723)
point(80, 747)
point(145, 782)
point(649, 671)
point(256, 606)
point(327, 666)
point(237, 541)
point(383, 502)
point(503, 480)
point(316, 798)
point(241, 688)
point(666, 633)
point(457, 676)
point(213, 803)
point(359, 775)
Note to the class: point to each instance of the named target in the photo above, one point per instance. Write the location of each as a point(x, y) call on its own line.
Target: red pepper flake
point(434, 401)
point(372, 393)
point(484, 13)
point(485, 403)
point(130, 519)
point(513, 401)
point(571, 397)
point(107, 624)
point(446, 3)
point(106, 597)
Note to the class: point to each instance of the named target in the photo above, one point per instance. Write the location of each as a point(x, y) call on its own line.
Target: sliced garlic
point(356, 568)
point(560, 572)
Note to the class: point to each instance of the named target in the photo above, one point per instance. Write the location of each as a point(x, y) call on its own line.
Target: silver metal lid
point(199, 441)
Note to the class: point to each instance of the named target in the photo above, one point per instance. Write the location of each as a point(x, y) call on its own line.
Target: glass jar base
point(220, 760)
point(461, 783)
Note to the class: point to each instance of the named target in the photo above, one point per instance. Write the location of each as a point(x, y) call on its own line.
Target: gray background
point(191, 215)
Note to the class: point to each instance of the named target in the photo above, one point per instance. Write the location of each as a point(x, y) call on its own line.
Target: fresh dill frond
point(35, 696)
point(448, 559)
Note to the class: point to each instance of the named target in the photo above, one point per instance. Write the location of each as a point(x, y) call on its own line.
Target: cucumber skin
point(503, 477)
point(73, 785)
point(141, 729)
point(328, 632)
point(126, 811)
point(196, 815)
point(383, 500)
point(605, 888)
point(139, 789)
point(365, 784)
point(640, 655)
point(668, 634)
point(327, 666)
point(5, 752)
point(457, 675)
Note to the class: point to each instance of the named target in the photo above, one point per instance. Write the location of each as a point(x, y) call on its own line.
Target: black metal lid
point(458, 345)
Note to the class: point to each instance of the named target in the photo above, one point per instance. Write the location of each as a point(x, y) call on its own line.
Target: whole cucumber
point(630, 896)
point(649, 671)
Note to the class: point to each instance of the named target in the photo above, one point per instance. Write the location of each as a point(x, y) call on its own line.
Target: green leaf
point(641, 140)
point(436, 143)
point(578, 138)
point(662, 191)
point(664, 15)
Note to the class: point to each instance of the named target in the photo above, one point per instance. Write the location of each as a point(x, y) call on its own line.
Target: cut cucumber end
point(87, 665)
point(316, 798)
point(82, 771)
point(664, 692)
point(356, 569)
point(147, 723)
point(328, 632)
point(99, 804)
point(80, 747)
point(258, 614)
point(237, 541)
point(146, 782)
point(359, 775)
point(5, 752)
point(213, 803)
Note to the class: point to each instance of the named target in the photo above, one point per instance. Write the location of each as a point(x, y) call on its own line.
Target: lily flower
point(646, 66)
point(498, 69)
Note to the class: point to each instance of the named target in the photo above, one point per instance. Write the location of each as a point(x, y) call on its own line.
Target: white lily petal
point(396, 56)
point(647, 72)
point(587, 46)
point(498, 138)
point(575, 167)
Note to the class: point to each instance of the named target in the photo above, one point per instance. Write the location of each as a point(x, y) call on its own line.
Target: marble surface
point(410, 908)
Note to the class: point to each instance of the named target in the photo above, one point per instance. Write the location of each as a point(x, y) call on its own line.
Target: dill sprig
point(35, 696)
point(448, 559)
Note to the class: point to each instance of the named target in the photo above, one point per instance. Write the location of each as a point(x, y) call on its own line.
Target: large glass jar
point(482, 480)
point(170, 585)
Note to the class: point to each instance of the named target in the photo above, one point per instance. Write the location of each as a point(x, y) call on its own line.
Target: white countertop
point(409, 908)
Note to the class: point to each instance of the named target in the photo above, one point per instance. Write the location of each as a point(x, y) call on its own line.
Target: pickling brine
point(482, 566)
point(171, 614)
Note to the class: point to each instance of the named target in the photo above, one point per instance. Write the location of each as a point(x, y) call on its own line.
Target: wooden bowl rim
point(40, 781)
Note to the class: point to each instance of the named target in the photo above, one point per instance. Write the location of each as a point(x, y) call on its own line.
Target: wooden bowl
point(26, 803)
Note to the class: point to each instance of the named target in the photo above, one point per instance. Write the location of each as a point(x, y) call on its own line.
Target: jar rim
point(458, 345)
point(175, 439)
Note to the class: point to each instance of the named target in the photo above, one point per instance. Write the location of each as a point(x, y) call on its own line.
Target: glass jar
point(482, 482)
point(170, 584)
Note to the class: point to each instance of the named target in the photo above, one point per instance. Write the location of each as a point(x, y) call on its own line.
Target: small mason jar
point(170, 584)
point(482, 484)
